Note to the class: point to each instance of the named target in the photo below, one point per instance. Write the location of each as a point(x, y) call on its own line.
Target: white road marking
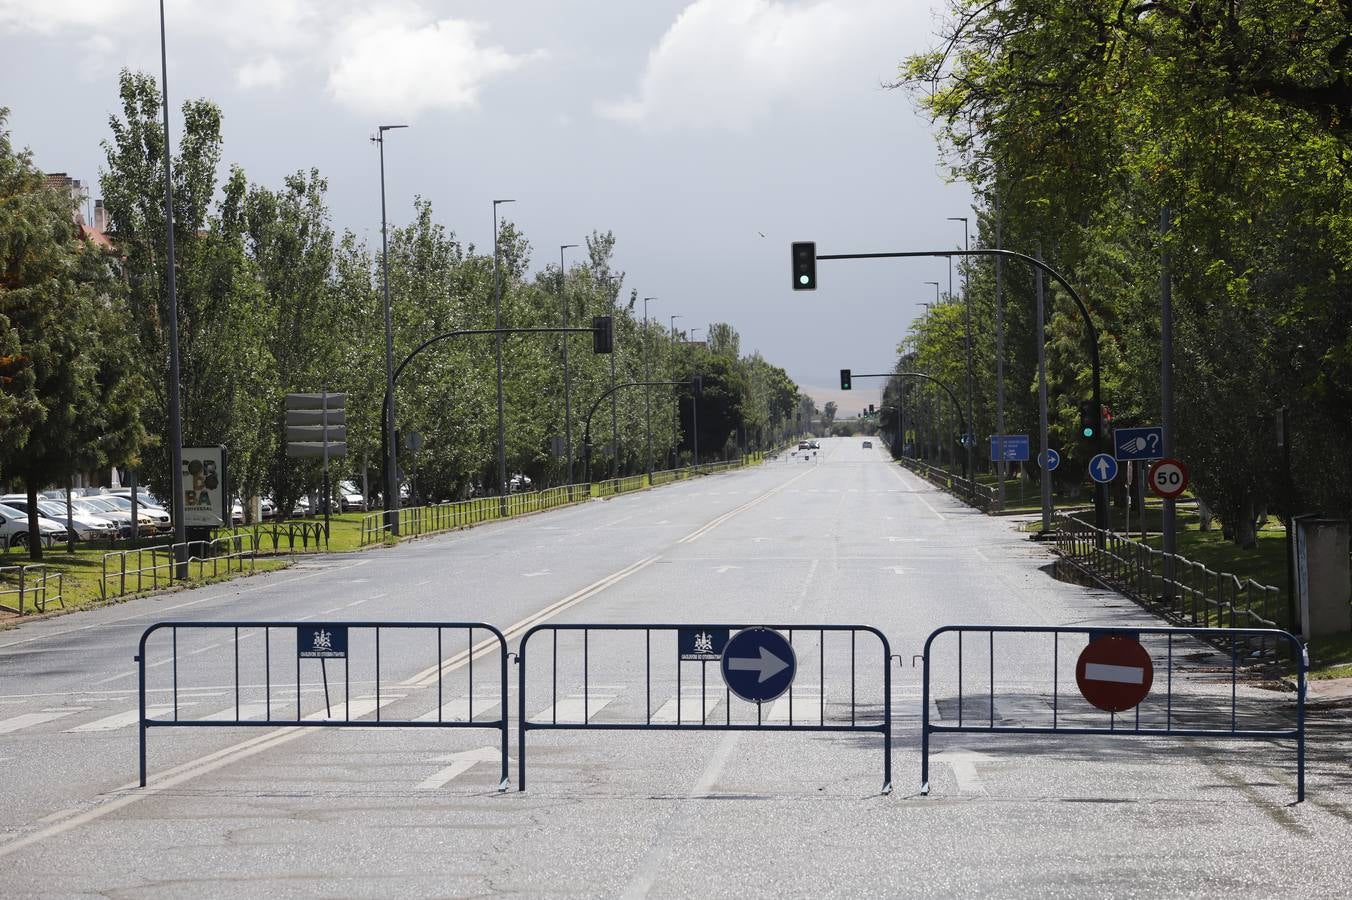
point(807, 706)
point(460, 763)
point(27, 720)
point(710, 526)
point(123, 719)
point(570, 708)
point(723, 570)
point(895, 570)
point(534, 574)
point(1116, 674)
point(963, 763)
point(246, 711)
point(458, 710)
point(690, 706)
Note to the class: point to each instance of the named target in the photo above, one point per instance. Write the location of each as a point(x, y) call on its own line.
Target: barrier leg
point(925, 726)
point(521, 721)
point(502, 785)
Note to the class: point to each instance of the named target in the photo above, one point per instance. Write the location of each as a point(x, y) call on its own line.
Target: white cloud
point(726, 64)
point(260, 73)
point(395, 62)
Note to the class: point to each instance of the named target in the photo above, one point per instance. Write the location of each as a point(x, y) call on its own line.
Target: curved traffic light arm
point(952, 396)
point(586, 430)
point(1100, 490)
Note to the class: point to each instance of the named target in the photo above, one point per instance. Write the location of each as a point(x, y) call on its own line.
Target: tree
point(75, 393)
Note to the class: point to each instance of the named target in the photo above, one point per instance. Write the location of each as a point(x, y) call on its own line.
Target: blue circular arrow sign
point(1103, 468)
point(1049, 459)
point(758, 664)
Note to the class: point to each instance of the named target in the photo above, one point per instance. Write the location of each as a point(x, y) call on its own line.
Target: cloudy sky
point(707, 135)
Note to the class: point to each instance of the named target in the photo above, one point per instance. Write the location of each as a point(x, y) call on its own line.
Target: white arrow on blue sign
point(1103, 468)
point(758, 664)
point(1049, 459)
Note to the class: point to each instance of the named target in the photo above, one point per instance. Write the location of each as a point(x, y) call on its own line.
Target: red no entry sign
point(1114, 672)
point(1168, 478)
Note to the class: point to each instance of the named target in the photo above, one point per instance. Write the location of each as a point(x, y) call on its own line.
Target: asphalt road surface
point(843, 539)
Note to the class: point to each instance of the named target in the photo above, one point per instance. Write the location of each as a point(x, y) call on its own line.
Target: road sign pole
point(1168, 526)
point(1000, 350)
point(1046, 475)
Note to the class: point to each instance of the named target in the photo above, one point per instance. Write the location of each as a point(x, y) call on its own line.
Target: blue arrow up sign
point(758, 664)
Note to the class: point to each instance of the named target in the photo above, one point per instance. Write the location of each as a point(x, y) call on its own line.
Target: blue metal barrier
point(1215, 637)
point(879, 724)
point(326, 647)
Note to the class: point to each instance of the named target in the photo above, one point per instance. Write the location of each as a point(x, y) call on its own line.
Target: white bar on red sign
point(1119, 674)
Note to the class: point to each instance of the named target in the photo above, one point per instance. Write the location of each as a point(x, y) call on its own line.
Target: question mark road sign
point(1168, 478)
point(1138, 443)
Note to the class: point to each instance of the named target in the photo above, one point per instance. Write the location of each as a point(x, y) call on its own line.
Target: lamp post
point(497, 342)
point(647, 392)
point(677, 421)
point(967, 315)
point(567, 390)
point(175, 425)
point(391, 451)
point(692, 334)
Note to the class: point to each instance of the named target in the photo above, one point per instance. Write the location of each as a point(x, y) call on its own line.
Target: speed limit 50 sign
point(1168, 478)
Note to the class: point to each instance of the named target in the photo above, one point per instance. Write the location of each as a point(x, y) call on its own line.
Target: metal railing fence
point(32, 583)
point(148, 568)
point(1167, 583)
point(985, 496)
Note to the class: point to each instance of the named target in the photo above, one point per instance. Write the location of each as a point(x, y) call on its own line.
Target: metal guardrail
point(429, 519)
point(985, 496)
point(875, 716)
point(1208, 710)
point(310, 535)
point(323, 642)
point(32, 583)
point(1166, 583)
point(128, 571)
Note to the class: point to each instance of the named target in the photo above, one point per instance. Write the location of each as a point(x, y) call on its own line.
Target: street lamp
point(647, 391)
point(692, 334)
point(967, 314)
point(567, 391)
point(936, 286)
point(391, 451)
point(175, 425)
point(497, 342)
point(678, 399)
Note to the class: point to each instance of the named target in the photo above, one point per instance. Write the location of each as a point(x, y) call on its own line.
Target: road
point(845, 539)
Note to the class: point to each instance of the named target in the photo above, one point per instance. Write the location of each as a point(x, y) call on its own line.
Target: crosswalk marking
point(29, 719)
point(246, 711)
point(571, 708)
point(458, 710)
point(805, 705)
point(689, 707)
point(123, 719)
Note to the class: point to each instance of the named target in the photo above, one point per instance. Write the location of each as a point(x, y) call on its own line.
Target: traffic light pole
point(390, 453)
point(808, 281)
point(957, 404)
point(586, 431)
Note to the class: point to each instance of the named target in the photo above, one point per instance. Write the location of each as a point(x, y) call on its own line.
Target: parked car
point(94, 506)
point(143, 497)
point(159, 518)
point(84, 526)
point(519, 483)
point(349, 498)
point(14, 529)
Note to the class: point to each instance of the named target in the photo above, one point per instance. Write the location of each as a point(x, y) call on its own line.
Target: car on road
point(868, 445)
point(814, 444)
point(804, 445)
point(14, 529)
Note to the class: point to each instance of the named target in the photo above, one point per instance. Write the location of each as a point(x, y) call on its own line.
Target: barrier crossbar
point(856, 721)
point(272, 704)
point(1240, 642)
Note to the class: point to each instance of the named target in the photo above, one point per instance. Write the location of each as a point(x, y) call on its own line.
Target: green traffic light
point(1087, 431)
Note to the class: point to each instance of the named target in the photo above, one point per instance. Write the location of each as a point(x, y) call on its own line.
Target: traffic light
point(844, 379)
point(1089, 420)
point(603, 334)
point(804, 266)
point(697, 386)
point(870, 409)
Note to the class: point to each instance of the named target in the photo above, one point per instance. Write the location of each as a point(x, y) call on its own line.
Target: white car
point(14, 529)
point(349, 498)
point(158, 517)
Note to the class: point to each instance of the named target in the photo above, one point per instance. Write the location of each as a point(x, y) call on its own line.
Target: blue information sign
point(1049, 459)
point(321, 641)
point(1103, 468)
point(1009, 447)
point(758, 664)
point(1138, 443)
point(701, 643)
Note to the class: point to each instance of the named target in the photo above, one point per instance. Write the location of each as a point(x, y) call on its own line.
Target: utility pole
point(175, 421)
point(567, 390)
point(1043, 425)
point(970, 437)
point(1000, 352)
point(647, 391)
point(1167, 519)
point(497, 341)
point(391, 451)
